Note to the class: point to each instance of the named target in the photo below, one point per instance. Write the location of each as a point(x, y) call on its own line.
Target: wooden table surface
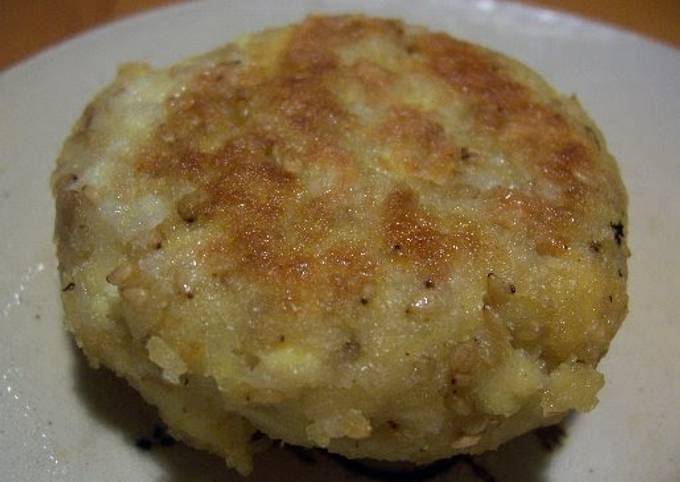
point(28, 26)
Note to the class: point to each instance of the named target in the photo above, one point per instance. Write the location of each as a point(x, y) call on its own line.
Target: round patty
point(347, 233)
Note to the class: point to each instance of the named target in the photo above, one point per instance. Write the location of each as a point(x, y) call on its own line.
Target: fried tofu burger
point(347, 233)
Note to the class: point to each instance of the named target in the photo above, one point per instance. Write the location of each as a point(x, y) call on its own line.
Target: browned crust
point(316, 213)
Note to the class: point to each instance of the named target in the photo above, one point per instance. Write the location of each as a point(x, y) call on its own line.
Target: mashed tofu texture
point(348, 233)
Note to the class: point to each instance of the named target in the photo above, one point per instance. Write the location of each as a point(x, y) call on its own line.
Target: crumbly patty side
point(350, 233)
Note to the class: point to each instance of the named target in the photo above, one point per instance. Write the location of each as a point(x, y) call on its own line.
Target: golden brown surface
point(349, 233)
point(27, 27)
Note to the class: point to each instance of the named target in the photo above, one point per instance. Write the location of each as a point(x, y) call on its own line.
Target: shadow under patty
point(114, 403)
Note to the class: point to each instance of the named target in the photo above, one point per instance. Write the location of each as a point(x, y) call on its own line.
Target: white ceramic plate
point(60, 421)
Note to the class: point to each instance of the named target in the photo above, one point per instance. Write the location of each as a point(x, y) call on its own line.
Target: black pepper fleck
point(465, 154)
point(69, 287)
point(396, 247)
point(513, 289)
point(429, 283)
point(595, 246)
point(617, 228)
point(364, 301)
